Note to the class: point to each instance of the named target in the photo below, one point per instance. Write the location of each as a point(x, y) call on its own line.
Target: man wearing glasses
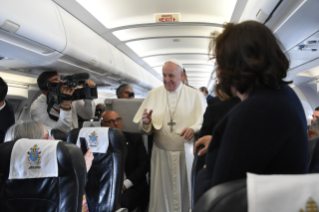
point(135, 188)
point(125, 91)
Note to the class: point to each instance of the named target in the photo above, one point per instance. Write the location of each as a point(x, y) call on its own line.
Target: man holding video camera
point(54, 108)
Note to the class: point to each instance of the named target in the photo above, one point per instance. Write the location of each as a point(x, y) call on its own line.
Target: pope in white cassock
point(174, 112)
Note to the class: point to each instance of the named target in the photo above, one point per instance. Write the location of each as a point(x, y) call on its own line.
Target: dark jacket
point(7, 120)
point(265, 134)
point(214, 100)
point(137, 160)
point(214, 113)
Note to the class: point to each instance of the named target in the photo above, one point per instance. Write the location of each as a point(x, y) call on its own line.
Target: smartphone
point(84, 146)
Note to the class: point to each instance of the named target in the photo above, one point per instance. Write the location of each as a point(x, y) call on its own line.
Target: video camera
point(55, 96)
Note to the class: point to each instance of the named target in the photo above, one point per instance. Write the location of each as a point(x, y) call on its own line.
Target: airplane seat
point(73, 135)
point(58, 134)
point(41, 175)
point(263, 193)
point(313, 157)
point(127, 108)
point(105, 178)
point(230, 196)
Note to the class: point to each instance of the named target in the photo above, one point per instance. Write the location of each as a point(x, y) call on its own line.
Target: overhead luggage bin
point(36, 20)
point(85, 45)
point(19, 52)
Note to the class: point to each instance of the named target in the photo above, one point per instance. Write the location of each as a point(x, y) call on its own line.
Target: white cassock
point(170, 167)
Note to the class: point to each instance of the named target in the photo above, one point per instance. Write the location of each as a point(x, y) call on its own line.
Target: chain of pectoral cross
point(172, 123)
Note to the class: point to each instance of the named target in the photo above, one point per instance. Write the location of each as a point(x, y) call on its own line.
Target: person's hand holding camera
point(66, 104)
point(90, 83)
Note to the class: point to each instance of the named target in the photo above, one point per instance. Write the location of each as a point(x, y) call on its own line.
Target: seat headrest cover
point(34, 158)
point(282, 192)
point(96, 137)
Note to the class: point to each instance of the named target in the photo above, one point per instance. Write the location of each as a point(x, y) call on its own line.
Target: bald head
point(112, 119)
point(172, 76)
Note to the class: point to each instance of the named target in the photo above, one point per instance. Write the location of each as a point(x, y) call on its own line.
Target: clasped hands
point(187, 133)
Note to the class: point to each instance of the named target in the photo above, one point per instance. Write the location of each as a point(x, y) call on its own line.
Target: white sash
point(175, 142)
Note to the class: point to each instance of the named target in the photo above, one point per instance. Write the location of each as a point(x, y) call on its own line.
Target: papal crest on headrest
point(34, 157)
point(93, 139)
point(310, 206)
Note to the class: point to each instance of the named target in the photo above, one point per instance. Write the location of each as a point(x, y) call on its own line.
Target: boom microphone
point(77, 77)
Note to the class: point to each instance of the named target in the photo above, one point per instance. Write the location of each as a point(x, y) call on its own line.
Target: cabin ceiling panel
point(302, 24)
point(165, 31)
point(253, 6)
point(126, 12)
point(151, 47)
point(309, 52)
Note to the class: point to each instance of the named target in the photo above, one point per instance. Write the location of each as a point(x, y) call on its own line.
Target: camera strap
point(50, 106)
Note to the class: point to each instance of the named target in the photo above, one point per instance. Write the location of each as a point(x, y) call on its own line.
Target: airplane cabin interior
point(127, 42)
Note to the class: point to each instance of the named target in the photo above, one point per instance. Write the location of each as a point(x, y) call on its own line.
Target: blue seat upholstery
point(62, 193)
point(230, 197)
point(105, 178)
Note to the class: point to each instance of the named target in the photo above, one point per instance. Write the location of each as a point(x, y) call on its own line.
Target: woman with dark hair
point(267, 132)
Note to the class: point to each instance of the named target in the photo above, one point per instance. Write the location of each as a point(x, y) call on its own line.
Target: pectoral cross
point(171, 124)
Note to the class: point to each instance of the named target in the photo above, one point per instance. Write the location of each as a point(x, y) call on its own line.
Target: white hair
point(27, 129)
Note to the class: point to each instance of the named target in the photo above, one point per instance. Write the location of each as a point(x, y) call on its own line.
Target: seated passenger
point(6, 111)
point(315, 115)
point(125, 91)
point(101, 109)
point(36, 130)
point(27, 129)
point(314, 129)
point(64, 116)
point(254, 136)
point(135, 188)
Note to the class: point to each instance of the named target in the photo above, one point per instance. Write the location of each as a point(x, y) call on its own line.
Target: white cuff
point(66, 114)
point(127, 183)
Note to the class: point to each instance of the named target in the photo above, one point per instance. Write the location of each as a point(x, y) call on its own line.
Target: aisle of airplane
point(128, 42)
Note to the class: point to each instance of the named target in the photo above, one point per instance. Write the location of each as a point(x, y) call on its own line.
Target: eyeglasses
point(111, 121)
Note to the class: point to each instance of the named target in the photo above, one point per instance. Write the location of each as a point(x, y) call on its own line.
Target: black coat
point(265, 134)
point(214, 113)
point(7, 120)
point(213, 100)
point(137, 160)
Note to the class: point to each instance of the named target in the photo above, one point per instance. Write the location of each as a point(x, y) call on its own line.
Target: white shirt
point(68, 120)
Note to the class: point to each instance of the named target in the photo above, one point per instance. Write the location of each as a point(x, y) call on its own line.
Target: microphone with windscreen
point(75, 80)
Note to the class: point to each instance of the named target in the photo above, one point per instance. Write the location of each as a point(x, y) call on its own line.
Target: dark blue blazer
point(264, 134)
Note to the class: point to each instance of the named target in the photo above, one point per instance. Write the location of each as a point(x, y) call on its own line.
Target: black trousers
point(134, 197)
